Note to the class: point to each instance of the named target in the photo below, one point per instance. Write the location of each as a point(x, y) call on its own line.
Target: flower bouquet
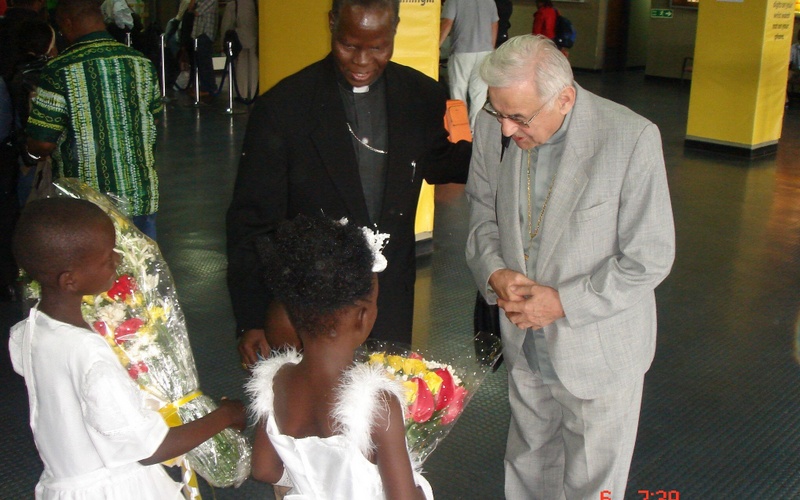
point(436, 391)
point(142, 321)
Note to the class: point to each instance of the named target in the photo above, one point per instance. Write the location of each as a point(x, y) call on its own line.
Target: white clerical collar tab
point(361, 90)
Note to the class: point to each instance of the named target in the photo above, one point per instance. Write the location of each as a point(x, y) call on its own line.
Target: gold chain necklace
point(531, 231)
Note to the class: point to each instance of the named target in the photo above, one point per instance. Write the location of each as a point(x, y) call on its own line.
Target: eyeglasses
point(516, 119)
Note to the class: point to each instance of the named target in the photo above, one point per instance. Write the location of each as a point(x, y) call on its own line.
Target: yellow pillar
point(741, 63)
point(294, 34)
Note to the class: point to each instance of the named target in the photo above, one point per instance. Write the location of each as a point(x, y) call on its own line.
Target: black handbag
point(486, 322)
point(232, 44)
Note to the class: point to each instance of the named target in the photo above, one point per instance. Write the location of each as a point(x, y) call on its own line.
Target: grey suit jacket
point(607, 241)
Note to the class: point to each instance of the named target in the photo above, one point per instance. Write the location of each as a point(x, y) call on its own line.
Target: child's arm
point(394, 465)
point(266, 465)
point(184, 438)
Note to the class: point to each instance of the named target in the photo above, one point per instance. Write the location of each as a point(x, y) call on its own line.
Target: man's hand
point(540, 307)
point(506, 282)
point(251, 344)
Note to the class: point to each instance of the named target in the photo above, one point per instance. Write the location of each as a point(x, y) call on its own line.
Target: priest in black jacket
point(351, 136)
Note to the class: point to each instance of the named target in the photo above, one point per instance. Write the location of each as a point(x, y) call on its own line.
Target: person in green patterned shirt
point(95, 113)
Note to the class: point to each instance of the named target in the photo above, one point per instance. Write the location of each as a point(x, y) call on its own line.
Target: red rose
point(100, 327)
point(415, 355)
point(456, 406)
point(422, 408)
point(123, 286)
point(136, 369)
point(127, 328)
point(446, 390)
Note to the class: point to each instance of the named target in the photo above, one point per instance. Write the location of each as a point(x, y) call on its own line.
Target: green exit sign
point(661, 13)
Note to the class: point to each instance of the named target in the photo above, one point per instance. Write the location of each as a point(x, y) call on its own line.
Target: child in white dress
point(328, 427)
point(95, 435)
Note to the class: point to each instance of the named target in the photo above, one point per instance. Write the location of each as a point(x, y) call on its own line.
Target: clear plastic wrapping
point(437, 390)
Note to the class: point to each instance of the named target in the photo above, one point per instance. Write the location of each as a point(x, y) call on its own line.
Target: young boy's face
point(98, 268)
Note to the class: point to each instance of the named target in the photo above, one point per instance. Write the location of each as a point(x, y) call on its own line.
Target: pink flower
point(446, 390)
point(456, 406)
point(123, 286)
point(422, 407)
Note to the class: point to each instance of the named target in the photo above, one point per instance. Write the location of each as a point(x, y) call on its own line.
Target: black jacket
point(298, 158)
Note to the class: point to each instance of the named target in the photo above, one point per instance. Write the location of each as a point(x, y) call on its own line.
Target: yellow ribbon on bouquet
point(169, 413)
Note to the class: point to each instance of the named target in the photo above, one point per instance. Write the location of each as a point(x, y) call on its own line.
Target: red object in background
point(3, 7)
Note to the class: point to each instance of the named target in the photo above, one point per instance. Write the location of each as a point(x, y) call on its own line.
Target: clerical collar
point(358, 90)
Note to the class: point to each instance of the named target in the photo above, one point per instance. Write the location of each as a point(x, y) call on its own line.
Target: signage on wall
point(661, 13)
point(780, 21)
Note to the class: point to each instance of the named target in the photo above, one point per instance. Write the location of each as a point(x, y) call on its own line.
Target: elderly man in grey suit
point(571, 230)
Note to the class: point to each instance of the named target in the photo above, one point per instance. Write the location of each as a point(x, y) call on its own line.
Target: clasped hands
point(526, 303)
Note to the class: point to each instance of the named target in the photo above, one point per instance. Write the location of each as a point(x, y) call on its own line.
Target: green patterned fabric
point(97, 102)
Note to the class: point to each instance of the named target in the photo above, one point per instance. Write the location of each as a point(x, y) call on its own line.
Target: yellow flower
point(411, 391)
point(377, 358)
point(156, 314)
point(88, 300)
point(414, 367)
point(434, 381)
point(136, 299)
point(395, 362)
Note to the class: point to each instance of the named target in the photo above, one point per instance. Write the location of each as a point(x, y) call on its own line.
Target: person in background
point(92, 426)
point(472, 26)
point(35, 46)
point(204, 31)
point(544, 19)
point(353, 136)
point(79, 105)
point(794, 61)
point(504, 10)
point(570, 232)
point(9, 206)
point(17, 12)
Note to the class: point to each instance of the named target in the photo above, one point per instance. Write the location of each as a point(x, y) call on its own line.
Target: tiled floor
point(721, 407)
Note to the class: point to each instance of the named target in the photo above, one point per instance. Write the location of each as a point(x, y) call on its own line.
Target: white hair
point(528, 58)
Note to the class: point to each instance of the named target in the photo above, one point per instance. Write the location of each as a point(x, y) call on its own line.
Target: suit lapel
point(333, 143)
point(571, 179)
point(508, 208)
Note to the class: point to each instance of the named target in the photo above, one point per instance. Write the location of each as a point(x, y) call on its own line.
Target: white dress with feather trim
point(336, 467)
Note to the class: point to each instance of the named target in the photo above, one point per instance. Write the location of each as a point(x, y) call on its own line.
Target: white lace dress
point(336, 467)
point(89, 419)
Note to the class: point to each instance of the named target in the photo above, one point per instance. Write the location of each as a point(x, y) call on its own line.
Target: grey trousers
point(562, 447)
